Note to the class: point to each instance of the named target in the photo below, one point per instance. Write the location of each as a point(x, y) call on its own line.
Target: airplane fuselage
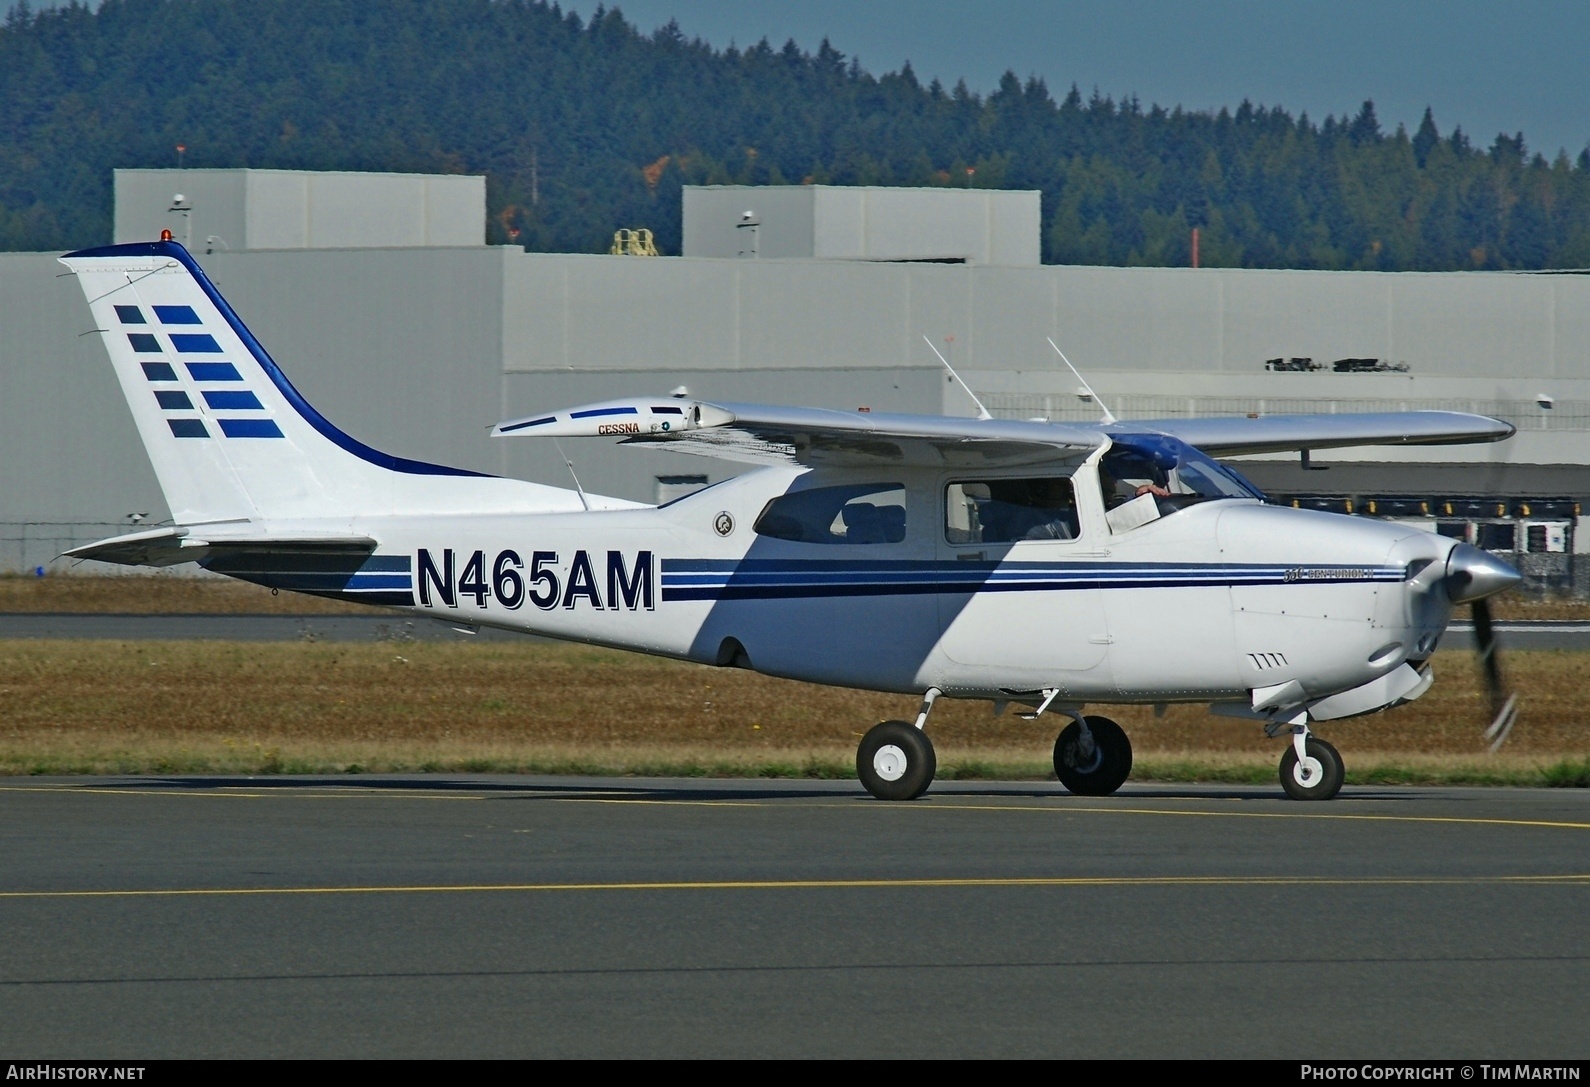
point(1207, 604)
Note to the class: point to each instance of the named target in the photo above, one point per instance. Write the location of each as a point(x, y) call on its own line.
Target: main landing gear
point(895, 760)
point(1311, 769)
point(1092, 756)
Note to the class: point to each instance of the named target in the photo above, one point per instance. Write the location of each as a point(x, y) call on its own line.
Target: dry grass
point(167, 594)
point(1518, 606)
point(160, 594)
point(268, 707)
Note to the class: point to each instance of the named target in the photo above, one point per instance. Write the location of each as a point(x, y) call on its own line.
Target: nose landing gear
point(1311, 768)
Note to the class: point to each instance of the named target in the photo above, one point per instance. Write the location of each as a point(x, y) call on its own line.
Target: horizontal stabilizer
point(170, 546)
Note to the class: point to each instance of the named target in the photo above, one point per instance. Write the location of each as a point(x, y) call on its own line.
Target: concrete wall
point(981, 226)
point(718, 221)
point(301, 209)
point(69, 453)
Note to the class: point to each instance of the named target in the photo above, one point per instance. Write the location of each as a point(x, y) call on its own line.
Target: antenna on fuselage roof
point(1109, 416)
point(982, 412)
point(569, 464)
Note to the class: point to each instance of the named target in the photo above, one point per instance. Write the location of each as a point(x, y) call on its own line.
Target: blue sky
point(1490, 67)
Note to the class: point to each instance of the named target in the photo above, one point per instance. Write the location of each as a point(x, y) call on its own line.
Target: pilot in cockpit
point(1125, 475)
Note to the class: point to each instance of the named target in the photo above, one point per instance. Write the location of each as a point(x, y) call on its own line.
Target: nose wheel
point(1093, 756)
point(1316, 775)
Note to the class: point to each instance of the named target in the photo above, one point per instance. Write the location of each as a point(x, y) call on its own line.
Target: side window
point(1008, 510)
point(854, 513)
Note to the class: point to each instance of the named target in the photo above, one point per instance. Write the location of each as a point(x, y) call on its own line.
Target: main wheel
point(1318, 777)
point(1096, 769)
point(896, 761)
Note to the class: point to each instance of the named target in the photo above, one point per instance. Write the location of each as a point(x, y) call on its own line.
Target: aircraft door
point(829, 588)
point(1021, 592)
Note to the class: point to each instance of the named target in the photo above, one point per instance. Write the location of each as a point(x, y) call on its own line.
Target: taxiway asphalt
point(497, 916)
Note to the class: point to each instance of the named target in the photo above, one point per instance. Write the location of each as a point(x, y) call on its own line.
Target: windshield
point(1154, 470)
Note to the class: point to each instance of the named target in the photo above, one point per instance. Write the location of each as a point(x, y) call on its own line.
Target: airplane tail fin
point(228, 435)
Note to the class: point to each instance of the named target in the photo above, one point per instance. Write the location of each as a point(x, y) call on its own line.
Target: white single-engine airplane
point(1050, 566)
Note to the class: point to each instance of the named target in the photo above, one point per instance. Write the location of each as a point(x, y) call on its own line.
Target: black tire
point(1108, 766)
point(1332, 772)
point(895, 761)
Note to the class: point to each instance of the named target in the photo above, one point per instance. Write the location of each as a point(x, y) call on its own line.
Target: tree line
point(585, 126)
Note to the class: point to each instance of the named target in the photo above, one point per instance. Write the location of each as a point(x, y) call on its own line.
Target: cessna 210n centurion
point(1042, 565)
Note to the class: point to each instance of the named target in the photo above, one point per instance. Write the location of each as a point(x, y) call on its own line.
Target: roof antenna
point(982, 412)
point(1109, 417)
point(569, 464)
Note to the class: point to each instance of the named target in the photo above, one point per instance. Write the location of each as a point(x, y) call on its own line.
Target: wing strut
point(569, 464)
point(982, 412)
point(1109, 416)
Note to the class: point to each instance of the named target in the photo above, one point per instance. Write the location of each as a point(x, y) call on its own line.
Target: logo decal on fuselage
point(449, 576)
point(1330, 573)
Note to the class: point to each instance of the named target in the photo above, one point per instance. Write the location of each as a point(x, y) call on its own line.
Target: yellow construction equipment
point(633, 243)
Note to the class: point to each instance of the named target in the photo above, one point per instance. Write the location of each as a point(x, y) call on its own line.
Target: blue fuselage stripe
point(684, 580)
point(381, 581)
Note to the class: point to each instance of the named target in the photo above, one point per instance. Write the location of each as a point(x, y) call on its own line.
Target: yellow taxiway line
point(1565, 879)
point(1062, 806)
point(1341, 816)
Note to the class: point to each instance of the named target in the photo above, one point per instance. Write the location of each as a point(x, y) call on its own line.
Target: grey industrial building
point(380, 299)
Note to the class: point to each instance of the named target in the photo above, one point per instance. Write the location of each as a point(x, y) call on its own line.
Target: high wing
point(764, 434)
point(1227, 437)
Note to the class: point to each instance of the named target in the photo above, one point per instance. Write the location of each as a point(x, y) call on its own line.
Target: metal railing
point(1566, 415)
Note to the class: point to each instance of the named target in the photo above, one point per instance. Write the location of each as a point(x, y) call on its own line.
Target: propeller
point(1472, 577)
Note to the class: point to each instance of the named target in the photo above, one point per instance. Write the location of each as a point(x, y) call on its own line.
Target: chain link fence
point(28, 546)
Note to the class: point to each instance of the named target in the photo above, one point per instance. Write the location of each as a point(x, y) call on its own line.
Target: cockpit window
point(853, 513)
point(1008, 510)
point(1157, 475)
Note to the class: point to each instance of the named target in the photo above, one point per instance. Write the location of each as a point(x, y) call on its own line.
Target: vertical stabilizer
point(228, 435)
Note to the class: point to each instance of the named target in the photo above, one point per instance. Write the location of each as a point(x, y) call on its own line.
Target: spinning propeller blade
point(1504, 703)
point(1472, 576)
